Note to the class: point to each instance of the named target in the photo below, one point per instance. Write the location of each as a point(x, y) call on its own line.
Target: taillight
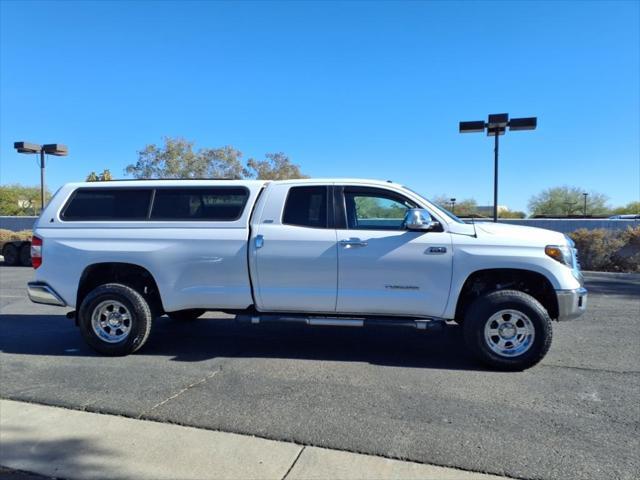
point(36, 251)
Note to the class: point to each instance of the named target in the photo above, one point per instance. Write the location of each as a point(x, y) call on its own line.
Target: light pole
point(584, 211)
point(453, 205)
point(56, 149)
point(497, 125)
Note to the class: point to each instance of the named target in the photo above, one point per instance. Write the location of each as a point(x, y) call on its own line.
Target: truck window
point(209, 204)
point(88, 204)
point(369, 209)
point(306, 207)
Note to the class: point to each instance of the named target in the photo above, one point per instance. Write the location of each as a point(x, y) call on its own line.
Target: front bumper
point(40, 292)
point(571, 303)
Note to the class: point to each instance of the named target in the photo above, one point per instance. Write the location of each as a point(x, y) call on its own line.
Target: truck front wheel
point(115, 319)
point(508, 330)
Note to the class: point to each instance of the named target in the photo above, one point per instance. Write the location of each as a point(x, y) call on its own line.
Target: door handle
point(353, 242)
point(259, 241)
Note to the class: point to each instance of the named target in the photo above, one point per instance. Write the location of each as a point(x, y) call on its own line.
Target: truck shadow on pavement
point(209, 338)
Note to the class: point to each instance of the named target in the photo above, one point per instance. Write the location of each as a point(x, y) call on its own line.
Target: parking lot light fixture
point(26, 147)
point(496, 125)
point(529, 123)
point(584, 210)
point(56, 149)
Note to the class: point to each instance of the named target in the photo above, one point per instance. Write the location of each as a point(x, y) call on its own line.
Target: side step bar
point(326, 321)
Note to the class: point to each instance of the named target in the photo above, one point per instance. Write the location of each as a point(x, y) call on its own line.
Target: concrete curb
point(72, 444)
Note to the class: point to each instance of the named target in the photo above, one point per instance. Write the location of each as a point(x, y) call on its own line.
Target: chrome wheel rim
point(111, 321)
point(509, 333)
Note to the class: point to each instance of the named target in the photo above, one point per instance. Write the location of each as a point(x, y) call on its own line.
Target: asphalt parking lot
point(391, 392)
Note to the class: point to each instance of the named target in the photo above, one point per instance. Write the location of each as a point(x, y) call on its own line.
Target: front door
point(383, 268)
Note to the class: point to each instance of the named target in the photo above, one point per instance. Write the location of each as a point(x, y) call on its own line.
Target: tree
point(177, 159)
point(105, 176)
point(20, 200)
point(462, 208)
point(276, 166)
point(631, 207)
point(372, 207)
point(567, 200)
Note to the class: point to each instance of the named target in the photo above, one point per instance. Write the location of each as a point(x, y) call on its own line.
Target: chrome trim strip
point(336, 322)
point(42, 293)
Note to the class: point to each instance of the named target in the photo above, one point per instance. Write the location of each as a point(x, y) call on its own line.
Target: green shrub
point(628, 256)
point(608, 251)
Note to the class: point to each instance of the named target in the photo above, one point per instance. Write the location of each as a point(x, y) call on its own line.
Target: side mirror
point(418, 219)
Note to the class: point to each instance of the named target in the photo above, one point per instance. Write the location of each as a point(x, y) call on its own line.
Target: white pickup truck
point(322, 252)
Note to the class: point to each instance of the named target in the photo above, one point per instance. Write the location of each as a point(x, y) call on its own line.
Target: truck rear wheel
point(186, 315)
point(11, 254)
point(508, 330)
point(25, 254)
point(115, 319)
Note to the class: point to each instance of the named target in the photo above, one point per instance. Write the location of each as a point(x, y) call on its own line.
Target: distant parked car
point(631, 216)
point(17, 253)
point(15, 247)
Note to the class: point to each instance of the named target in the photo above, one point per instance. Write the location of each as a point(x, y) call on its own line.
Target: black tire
point(482, 310)
point(25, 255)
point(140, 321)
point(11, 254)
point(186, 315)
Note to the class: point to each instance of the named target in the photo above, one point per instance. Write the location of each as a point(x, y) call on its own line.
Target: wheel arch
point(484, 281)
point(130, 274)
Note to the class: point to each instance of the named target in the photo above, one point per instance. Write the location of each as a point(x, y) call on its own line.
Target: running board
point(325, 321)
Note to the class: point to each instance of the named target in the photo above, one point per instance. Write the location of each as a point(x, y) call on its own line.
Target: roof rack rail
point(156, 179)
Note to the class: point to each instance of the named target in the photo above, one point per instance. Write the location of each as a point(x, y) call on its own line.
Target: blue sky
point(346, 89)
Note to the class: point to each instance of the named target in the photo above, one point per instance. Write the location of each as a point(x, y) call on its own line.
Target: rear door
point(383, 267)
point(293, 250)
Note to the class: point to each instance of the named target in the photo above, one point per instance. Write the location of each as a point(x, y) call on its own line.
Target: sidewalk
point(71, 444)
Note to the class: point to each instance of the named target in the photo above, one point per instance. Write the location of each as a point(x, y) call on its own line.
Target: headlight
point(562, 254)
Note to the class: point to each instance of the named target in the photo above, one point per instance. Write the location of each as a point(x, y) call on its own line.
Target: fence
point(568, 225)
point(16, 224)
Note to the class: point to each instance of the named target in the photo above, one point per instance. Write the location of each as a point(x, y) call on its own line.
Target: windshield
point(440, 209)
